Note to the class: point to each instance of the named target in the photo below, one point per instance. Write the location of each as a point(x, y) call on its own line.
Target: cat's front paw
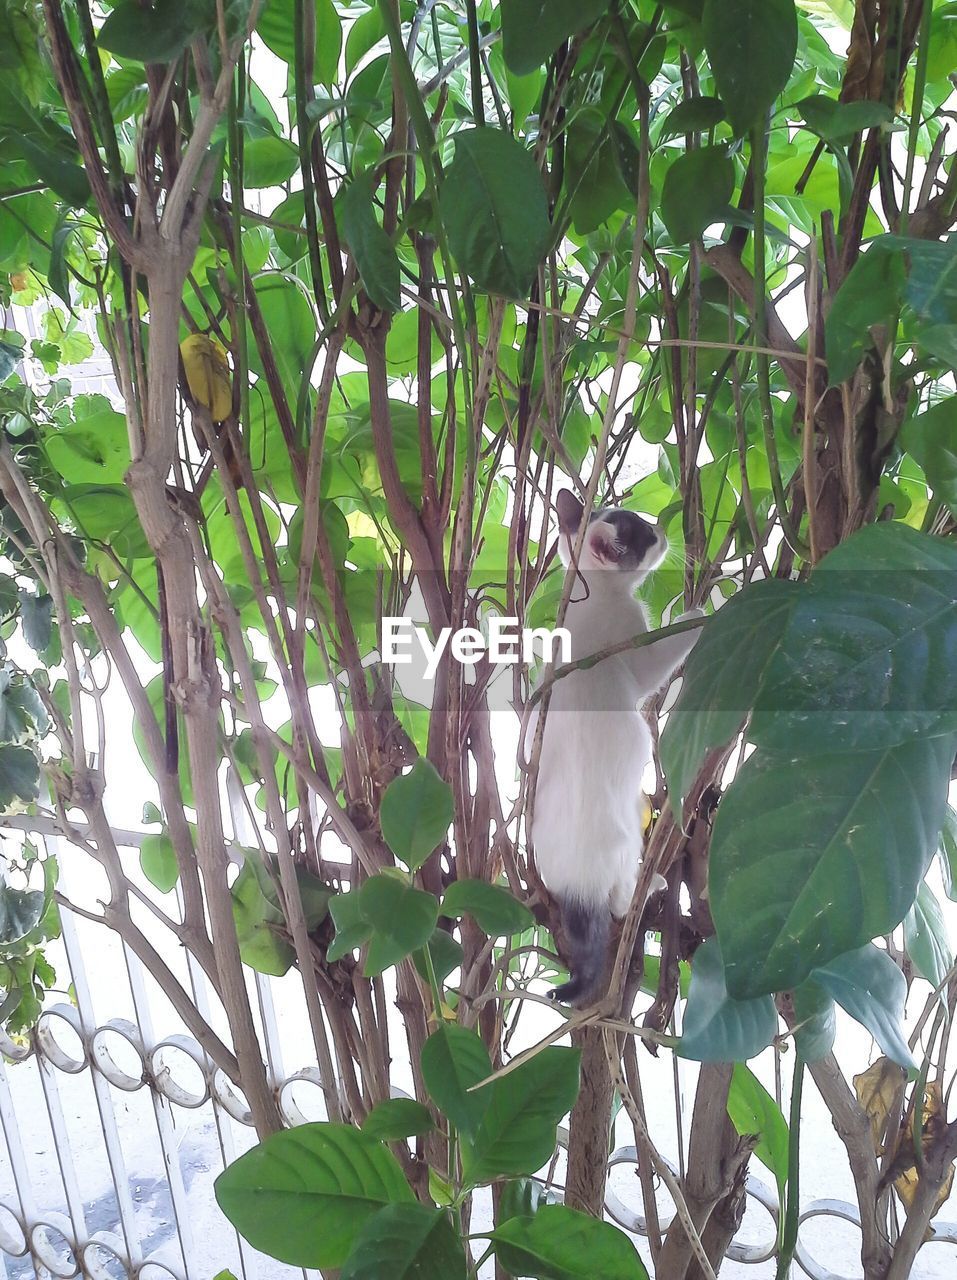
point(690, 615)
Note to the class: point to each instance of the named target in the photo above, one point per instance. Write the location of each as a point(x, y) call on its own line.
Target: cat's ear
point(570, 511)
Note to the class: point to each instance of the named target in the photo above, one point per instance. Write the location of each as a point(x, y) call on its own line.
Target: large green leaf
point(722, 677)
point(593, 172)
point(416, 813)
point(375, 253)
point(303, 1194)
point(491, 906)
point(754, 1111)
point(495, 211)
point(517, 1132)
point(815, 1021)
point(867, 657)
point(718, 1028)
point(277, 28)
point(93, 450)
point(813, 856)
point(407, 1242)
point(533, 29)
point(454, 1059)
point(751, 46)
point(694, 115)
point(269, 161)
point(397, 1118)
point(559, 1243)
point(870, 295)
point(153, 33)
point(868, 985)
point(697, 190)
point(389, 915)
point(931, 440)
point(840, 121)
point(926, 939)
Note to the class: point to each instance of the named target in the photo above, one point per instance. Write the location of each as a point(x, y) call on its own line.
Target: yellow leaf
point(207, 372)
point(646, 814)
point(877, 1091)
point(933, 1132)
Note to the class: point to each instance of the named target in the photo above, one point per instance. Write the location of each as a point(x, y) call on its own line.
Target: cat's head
point(615, 540)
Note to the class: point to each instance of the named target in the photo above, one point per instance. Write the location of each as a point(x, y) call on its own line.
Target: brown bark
point(589, 1126)
point(717, 1161)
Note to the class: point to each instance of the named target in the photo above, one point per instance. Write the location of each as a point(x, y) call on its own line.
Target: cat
point(586, 825)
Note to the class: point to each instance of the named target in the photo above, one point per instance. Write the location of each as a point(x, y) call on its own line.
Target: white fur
point(587, 831)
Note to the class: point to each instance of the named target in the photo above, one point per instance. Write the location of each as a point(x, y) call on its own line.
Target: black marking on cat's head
point(615, 540)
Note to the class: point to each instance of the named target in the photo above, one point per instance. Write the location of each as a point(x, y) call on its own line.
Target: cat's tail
point(587, 928)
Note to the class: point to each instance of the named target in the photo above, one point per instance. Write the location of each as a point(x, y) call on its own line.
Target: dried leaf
point(933, 1131)
point(878, 1091)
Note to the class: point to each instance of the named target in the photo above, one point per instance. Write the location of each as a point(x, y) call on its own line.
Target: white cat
point(587, 830)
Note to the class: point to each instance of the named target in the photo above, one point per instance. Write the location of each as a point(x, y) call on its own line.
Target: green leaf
point(930, 440)
point(36, 614)
point(947, 853)
point(158, 860)
point(559, 1243)
point(401, 920)
point(754, 1111)
point(594, 170)
point(491, 906)
point(407, 1242)
point(926, 939)
point(840, 121)
point(446, 954)
point(868, 985)
point(532, 30)
point(416, 813)
point(865, 660)
point(722, 677)
point(60, 173)
point(352, 928)
point(256, 921)
point(816, 1023)
point(20, 911)
point(304, 1194)
point(374, 252)
point(106, 513)
point(718, 1028)
point(521, 1198)
point(813, 856)
point(870, 294)
point(277, 27)
point(698, 187)
point(517, 1132)
point(397, 1118)
point(751, 45)
point(495, 211)
point(158, 33)
point(453, 1060)
point(19, 776)
point(694, 115)
point(269, 161)
point(93, 450)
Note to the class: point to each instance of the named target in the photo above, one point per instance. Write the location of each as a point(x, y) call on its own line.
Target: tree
point(516, 247)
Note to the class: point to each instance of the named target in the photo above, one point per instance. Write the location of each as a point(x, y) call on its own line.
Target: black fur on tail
point(587, 928)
